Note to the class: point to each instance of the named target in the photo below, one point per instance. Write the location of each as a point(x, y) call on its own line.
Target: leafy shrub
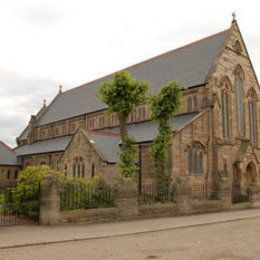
point(83, 194)
point(25, 196)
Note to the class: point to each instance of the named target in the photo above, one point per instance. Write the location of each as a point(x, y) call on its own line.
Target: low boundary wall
point(127, 207)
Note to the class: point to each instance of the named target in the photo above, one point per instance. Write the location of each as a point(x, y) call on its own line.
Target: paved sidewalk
point(32, 235)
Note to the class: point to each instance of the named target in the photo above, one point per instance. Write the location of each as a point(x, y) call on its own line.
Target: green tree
point(121, 95)
point(164, 106)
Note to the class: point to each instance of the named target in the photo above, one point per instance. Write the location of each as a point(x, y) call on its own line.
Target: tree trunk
point(123, 130)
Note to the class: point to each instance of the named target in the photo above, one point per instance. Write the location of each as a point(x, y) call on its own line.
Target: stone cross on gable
point(234, 16)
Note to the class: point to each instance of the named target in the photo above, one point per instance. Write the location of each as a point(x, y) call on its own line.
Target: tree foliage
point(79, 193)
point(127, 158)
point(25, 195)
point(122, 95)
point(164, 106)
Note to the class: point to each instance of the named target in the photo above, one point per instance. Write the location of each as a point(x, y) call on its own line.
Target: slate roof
point(107, 145)
point(7, 155)
point(58, 144)
point(189, 65)
point(146, 131)
point(107, 141)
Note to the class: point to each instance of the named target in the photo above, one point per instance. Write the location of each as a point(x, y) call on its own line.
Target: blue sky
point(47, 43)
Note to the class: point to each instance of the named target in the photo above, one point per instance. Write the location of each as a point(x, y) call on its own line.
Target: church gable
point(234, 84)
point(79, 155)
point(233, 57)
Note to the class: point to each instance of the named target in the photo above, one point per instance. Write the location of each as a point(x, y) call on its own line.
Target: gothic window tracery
point(239, 95)
point(78, 169)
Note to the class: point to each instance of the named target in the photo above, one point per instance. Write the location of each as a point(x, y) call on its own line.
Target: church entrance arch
point(249, 176)
point(243, 179)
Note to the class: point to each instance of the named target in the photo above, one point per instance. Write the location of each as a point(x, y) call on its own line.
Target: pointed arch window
point(190, 104)
point(8, 174)
point(74, 171)
point(92, 170)
point(78, 170)
point(226, 108)
point(195, 159)
point(225, 100)
point(83, 170)
point(239, 95)
point(195, 103)
point(195, 167)
point(201, 163)
point(190, 159)
point(252, 116)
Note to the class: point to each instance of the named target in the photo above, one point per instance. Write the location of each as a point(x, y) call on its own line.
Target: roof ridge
point(152, 58)
point(8, 147)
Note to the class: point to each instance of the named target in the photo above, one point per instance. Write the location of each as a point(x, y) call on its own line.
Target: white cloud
point(45, 43)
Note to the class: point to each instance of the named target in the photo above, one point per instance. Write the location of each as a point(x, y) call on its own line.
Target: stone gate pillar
point(183, 198)
point(126, 199)
point(49, 201)
point(226, 194)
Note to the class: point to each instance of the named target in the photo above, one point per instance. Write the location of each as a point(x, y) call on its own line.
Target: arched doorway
point(243, 179)
point(249, 176)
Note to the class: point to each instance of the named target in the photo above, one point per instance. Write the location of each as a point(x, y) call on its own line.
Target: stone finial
point(44, 102)
point(33, 119)
point(60, 89)
point(234, 16)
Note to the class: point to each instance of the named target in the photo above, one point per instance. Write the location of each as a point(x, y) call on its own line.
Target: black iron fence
point(85, 197)
point(205, 192)
point(14, 212)
point(149, 193)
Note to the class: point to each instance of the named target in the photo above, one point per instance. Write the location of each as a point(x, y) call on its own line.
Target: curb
point(121, 235)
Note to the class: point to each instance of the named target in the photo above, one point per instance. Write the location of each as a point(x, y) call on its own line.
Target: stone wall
point(8, 175)
point(127, 205)
point(82, 151)
point(226, 150)
point(196, 133)
point(42, 159)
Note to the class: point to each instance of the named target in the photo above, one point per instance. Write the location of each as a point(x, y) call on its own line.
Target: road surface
point(237, 240)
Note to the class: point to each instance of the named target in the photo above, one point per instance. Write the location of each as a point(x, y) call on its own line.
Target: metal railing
point(84, 197)
point(13, 212)
point(149, 193)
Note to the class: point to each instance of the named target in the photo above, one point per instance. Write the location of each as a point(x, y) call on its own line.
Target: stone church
point(216, 134)
point(9, 165)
